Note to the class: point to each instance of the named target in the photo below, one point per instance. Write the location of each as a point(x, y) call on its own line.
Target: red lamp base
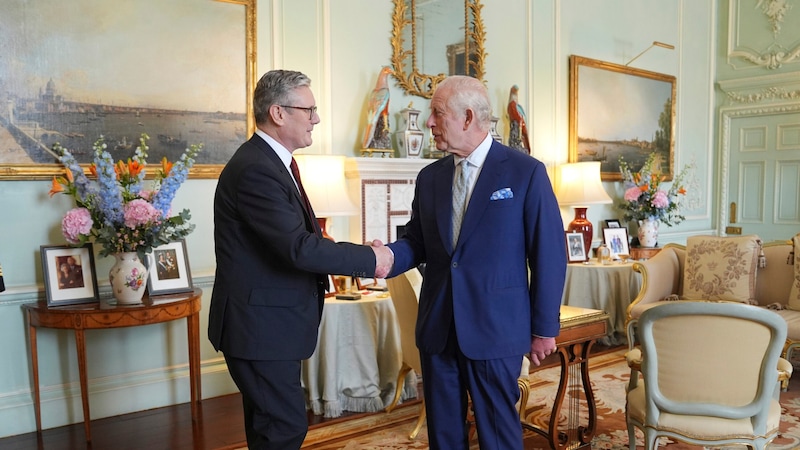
point(582, 225)
point(323, 222)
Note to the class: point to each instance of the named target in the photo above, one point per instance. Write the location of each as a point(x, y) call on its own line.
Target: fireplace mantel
point(384, 189)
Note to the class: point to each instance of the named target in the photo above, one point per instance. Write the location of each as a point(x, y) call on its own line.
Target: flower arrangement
point(114, 209)
point(644, 198)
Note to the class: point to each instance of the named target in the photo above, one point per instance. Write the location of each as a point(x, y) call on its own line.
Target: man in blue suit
point(273, 264)
point(480, 311)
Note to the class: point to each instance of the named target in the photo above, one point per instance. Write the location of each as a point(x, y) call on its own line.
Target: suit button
point(455, 265)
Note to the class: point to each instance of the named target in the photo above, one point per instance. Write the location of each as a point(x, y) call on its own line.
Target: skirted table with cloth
point(358, 358)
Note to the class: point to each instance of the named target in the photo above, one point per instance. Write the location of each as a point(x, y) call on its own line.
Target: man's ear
point(276, 113)
point(469, 117)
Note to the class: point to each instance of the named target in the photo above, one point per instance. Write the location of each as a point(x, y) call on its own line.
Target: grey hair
point(469, 93)
point(275, 88)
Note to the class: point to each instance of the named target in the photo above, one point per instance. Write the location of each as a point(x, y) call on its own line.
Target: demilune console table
point(106, 314)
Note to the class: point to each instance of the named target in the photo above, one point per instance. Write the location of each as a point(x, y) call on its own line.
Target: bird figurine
point(378, 135)
point(518, 131)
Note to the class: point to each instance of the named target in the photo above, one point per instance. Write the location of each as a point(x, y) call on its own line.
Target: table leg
point(586, 433)
point(573, 357)
point(37, 409)
point(80, 345)
point(193, 330)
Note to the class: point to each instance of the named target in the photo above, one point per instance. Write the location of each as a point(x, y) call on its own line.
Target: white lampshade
point(579, 184)
point(324, 183)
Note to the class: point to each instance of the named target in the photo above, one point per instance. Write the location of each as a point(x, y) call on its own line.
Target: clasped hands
point(384, 258)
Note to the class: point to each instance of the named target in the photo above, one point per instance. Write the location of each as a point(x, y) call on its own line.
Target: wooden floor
point(220, 426)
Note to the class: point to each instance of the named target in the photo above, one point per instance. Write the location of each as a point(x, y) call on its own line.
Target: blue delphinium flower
point(110, 198)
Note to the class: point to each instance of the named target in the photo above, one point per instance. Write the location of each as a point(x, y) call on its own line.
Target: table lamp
point(579, 186)
point(323, 180)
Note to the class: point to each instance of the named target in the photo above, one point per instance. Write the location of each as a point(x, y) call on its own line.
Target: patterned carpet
point(609, 376)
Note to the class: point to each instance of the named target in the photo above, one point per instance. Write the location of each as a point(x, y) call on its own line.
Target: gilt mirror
point(428, 43)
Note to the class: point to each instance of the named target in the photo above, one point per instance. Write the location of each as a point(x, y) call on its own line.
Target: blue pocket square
point(502, 194)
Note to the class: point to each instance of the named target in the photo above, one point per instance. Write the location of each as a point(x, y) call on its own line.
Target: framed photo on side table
point(168, 267)
point(616, 239)
point(575, 250)
point(612, 223)
point(69, 276)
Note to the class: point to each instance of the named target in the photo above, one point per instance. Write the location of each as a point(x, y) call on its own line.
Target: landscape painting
point(617, 111)
point(73, 71)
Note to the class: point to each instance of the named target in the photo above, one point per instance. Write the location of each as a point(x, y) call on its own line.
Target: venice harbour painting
point(618, 111)
point(73, 71)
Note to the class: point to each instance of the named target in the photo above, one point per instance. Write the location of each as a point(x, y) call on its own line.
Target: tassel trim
point(762, 259)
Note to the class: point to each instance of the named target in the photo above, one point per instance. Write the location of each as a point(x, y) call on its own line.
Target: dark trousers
point(493, 389)
point(273, 401)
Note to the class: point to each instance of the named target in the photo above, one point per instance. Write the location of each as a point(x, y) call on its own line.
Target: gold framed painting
point(619, 111)
point(119, 70)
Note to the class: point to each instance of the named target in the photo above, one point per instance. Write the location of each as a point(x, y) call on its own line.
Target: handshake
point(384, 258)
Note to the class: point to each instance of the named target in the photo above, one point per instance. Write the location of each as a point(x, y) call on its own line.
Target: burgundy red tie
point(296, 174)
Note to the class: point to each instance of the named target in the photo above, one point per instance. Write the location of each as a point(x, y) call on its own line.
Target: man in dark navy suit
point(273, 264)
point(486, 222)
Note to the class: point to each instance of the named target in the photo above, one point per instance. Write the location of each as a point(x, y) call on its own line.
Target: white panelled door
point(764, 175)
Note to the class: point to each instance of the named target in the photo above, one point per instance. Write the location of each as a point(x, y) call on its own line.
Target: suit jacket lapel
point(481, 193)
point(443, 199)
point(311, 220)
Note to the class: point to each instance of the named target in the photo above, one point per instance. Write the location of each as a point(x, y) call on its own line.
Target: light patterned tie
point(460, 189)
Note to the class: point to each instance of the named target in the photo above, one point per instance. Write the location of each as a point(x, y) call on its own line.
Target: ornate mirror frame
point(410, 78)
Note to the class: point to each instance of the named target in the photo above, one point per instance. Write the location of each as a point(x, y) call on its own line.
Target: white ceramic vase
point(410, 139)
point(128, 278)
point(648, 232)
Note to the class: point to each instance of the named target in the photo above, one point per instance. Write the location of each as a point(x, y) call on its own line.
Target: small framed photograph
point(168, 267)
point(69, 276)
point(616, 239)
point(576, 252)
point(613, 223)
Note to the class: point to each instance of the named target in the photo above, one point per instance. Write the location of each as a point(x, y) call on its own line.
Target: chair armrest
point(785, 370)
point(634, 359)
point(661, 276)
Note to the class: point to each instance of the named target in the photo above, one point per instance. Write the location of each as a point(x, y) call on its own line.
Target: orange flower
point(644, 187)
point(120, 169)
point(134, 168)
point(69, 176)
point(57, 187)
point(166, 166)
point(93, 169)
point(681, 191)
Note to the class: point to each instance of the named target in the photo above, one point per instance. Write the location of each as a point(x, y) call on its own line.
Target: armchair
point(404, 290)
point(685, 347)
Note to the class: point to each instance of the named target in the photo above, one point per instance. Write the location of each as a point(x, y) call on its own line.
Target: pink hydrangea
point(139, 212)
point(76, 222)
point(632, 194)
point(660, 200)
